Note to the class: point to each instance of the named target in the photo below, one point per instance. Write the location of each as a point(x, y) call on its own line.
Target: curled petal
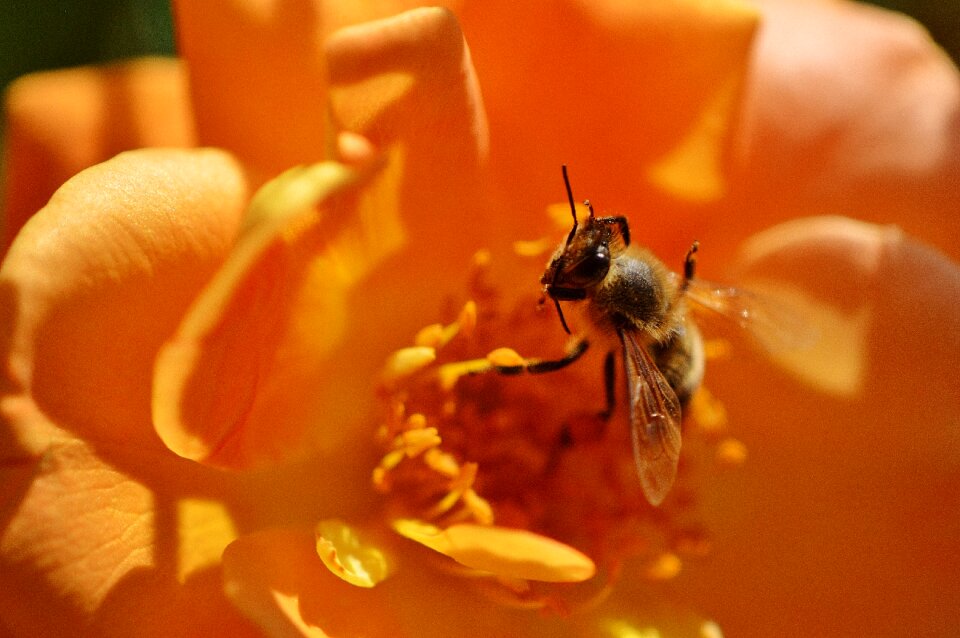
point(408, 82)
point(102, 275)
point(513, 553)
point(61, 122)
point(862, 285)
point(240, 383)
point(349, 553)
point(384, 72)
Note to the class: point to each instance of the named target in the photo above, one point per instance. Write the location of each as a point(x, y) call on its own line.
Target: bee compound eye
point(592, 268)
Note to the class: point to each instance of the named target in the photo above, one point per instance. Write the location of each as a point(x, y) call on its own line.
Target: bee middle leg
point(609, 383)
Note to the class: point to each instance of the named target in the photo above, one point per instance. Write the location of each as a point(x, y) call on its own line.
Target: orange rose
point(234, 399)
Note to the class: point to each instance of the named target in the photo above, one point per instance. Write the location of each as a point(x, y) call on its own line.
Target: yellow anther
point(441, 463)
point(430, 336)
point(505, 357)
point(407, 361)
point(416, 442)
point(415, 421)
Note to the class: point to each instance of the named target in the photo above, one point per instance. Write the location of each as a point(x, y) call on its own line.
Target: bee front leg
point(540, 366)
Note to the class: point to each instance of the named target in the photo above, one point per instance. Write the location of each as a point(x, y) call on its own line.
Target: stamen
point(468, 445)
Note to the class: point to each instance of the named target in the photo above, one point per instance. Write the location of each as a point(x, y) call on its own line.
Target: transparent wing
point(770, 320)
point(654, 420)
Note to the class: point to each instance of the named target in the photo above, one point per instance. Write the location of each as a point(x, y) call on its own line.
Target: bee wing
point(654, 420)
point(772, 322)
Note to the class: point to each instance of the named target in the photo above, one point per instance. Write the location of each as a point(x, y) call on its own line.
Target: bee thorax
point(634, 296)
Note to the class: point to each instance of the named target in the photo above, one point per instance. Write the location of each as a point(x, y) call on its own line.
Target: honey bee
point(630, 302)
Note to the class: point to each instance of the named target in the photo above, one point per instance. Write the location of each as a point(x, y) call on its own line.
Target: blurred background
point(50, 34)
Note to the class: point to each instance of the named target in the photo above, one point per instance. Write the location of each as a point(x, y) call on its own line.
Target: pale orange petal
point(86, 548)
point(258, 74)
point(257, 78)
point(102, 275)
point(856, 494)
point(631, 95)
point(881, 296)
point(851, 110)
point(61, 122)
point(408, 82)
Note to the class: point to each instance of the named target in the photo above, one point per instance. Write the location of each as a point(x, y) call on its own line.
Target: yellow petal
point(513, 553)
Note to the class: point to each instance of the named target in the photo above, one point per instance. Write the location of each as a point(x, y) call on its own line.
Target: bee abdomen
point(680, 360)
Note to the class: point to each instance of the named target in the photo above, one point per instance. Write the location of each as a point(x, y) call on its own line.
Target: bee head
point(583, 260)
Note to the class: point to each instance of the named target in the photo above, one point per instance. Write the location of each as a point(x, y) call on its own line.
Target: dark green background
point(48, 34)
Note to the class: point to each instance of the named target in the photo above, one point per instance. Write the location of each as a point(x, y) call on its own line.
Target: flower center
point(465, 443)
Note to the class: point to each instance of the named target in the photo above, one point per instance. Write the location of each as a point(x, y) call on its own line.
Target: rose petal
point(616, 90)
point(84, 549)
point(256, 406)
point(861, 284)
point(834, 488)
point(277, 580)
point(205, 528)
point(852, 110)
point(258, 74)
point(99, 277)
point(248, 374)
point(513, 553)
point(61, 122)
point(408, 81)
point(257, 79)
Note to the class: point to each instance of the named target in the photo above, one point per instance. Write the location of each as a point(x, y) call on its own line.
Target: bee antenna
point(563, 322)
point(573, 207)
